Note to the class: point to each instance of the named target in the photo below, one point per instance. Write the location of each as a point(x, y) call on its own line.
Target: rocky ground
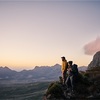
point(86, 87)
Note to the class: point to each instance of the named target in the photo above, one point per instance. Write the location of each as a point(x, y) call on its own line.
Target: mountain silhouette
point(95, 62)
point(39, 73)
point(6, 73)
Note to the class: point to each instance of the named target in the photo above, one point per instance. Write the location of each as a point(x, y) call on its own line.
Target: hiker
point(64, 69)
point(70, 78)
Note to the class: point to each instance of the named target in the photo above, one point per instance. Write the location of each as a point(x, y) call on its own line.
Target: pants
point(70, 82)
point(64, 76)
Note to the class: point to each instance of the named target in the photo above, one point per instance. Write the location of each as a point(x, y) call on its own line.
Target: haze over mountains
point(43, 73)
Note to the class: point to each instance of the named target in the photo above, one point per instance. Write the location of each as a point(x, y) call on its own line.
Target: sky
point(38, 33)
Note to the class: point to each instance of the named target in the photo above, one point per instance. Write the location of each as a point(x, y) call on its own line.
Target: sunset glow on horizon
point(39, 33)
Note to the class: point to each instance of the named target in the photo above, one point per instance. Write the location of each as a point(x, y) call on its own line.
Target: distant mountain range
point(43, 73)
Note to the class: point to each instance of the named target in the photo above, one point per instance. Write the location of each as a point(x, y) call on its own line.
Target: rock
point(95, 62)
point(91, 96)
point(87, 84)
point(58, 91)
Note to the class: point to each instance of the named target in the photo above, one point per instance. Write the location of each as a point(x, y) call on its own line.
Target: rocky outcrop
point(95, 62)
point(86, 88)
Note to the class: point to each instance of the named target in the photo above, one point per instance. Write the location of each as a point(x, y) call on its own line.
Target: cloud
point(92, 47)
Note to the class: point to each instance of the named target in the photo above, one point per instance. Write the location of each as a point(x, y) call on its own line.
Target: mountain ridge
point(39, 73)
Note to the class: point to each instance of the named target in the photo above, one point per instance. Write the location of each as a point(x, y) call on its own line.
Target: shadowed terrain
point(29, 91)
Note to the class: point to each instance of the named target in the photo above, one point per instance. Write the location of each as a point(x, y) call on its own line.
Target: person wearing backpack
point(64, 69)
point(70, 78)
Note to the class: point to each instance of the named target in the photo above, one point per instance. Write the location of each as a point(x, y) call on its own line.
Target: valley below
point(23, 91)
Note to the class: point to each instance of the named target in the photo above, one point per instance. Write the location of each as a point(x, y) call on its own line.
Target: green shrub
point(55, 89)
point(83, 79)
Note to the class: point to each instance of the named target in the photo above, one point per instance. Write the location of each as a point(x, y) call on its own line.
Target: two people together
point(69, 73)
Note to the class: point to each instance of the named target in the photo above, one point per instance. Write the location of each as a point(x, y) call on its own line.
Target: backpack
point(75, 69)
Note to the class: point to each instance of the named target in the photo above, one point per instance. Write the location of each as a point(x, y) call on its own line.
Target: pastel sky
point(39, 33)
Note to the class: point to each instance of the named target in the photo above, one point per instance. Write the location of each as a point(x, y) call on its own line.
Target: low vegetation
point(29, 91)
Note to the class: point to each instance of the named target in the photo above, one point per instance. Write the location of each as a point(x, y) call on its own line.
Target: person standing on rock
point(70, 78)
point(64, 68)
